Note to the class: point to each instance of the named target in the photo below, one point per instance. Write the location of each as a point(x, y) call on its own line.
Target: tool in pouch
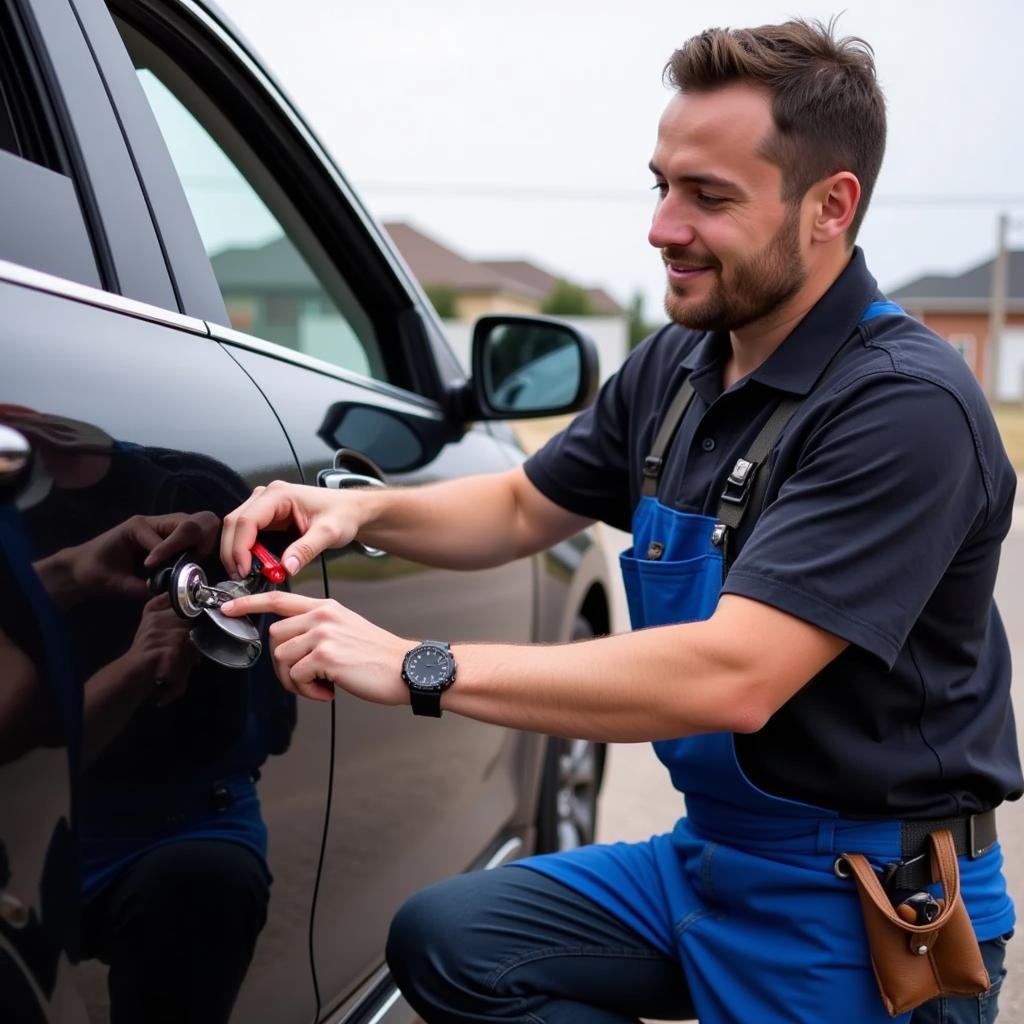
point(924, 947)
point(234, 642)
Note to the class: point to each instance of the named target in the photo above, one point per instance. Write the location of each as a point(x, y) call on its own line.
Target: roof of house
point(273, 267)
point(277, 266)
point(971, 289)
point(434, 263)
point(531, 274)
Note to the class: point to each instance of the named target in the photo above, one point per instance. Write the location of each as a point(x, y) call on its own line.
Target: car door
point(323, 322)
point(192, 796)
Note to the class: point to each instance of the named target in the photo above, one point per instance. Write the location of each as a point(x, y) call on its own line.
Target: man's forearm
point(472, 523)
point(653, 684)
point(634, 687)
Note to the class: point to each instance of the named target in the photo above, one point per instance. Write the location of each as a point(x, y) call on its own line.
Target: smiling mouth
point(679, 272)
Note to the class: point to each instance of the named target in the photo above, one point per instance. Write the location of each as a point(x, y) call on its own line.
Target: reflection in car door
point(154, 421)
point(195, 795)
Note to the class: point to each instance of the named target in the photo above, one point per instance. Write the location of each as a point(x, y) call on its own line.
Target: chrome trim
point(505, 853)
point(388, 1003)
point(340, 479)
point(15, 273)
point(231, 336)
point(367, 988)
point(502, 855)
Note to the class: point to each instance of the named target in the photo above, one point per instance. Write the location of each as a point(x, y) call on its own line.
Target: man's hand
point(109, 564)
point(325, 518)
point(319, 644)
point(161, 656)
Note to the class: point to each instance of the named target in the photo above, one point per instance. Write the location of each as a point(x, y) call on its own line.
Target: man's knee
point(431, 949)
point(417, 927)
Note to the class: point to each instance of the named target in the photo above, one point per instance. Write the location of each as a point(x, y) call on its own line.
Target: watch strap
point(425, 702)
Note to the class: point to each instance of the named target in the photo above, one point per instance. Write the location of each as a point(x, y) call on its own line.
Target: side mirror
point(526, 366)
point(396, 442)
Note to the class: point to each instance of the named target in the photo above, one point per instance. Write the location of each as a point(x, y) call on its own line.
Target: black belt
point(973, 835)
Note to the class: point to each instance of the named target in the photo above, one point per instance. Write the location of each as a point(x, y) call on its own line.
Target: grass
point(1009, 417)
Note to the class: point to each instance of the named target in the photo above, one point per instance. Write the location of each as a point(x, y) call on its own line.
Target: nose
point(670, 225)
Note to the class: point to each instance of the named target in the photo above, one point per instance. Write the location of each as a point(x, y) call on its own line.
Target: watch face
point(429, 667)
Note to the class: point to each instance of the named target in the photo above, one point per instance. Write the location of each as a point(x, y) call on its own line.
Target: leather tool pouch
point(917, 962)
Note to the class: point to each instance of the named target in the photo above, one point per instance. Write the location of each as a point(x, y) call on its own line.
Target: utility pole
point(997, 309)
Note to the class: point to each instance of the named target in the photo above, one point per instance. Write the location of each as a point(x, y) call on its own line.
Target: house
point(957, 307)
point(479, 287)
point(271, 291)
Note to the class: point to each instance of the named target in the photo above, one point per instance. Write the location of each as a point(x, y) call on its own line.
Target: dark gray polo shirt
point(889, 493)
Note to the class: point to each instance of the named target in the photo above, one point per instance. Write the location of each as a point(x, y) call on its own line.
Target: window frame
point(120, 226)
point(45, 200)
point(417, 360)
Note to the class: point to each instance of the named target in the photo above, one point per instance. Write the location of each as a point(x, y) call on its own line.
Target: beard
point(751, 290)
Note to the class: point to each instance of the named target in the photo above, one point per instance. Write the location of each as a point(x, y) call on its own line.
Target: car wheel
point(570, 785)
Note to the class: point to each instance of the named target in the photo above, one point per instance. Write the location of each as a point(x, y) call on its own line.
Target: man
point(846, 689)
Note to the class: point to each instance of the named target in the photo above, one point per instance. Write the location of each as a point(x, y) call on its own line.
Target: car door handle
point(341, 476)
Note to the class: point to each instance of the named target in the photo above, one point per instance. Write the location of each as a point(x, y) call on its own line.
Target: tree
point(566, 299)
point(639, 328)
point(442, 297)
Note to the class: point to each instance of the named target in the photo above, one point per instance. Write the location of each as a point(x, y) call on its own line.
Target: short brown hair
point(828, 108)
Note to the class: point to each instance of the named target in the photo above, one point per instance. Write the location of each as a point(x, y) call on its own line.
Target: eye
point(704, 199)
point(661, 187)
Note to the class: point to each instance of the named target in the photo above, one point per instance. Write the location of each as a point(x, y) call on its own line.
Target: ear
point(834, 202)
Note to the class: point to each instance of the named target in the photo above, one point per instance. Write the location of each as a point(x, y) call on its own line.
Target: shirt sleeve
point(888, 488)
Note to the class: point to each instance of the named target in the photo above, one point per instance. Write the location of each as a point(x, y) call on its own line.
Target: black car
point(194, 303)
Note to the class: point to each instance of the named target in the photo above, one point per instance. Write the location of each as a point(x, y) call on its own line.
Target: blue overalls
point(743, 890)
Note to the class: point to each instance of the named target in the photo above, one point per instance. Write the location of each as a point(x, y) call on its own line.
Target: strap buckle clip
point(737, 486)
point(652, 466)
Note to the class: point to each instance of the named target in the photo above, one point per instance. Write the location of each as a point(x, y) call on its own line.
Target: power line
point(546, 193)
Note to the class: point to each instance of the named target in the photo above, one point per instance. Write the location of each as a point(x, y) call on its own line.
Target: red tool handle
point(268, 564)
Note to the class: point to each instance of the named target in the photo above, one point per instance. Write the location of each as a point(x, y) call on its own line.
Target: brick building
point(957, 307)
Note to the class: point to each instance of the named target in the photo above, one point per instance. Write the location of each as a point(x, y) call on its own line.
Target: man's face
point(730, 244)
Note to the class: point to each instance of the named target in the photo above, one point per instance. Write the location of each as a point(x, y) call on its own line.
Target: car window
point(43, 226)
point(277, 281)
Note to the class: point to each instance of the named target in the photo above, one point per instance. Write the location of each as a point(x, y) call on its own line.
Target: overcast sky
point(524, 129)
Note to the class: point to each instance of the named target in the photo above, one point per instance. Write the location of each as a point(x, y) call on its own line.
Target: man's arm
point(727, 674)
point(698, 677)
point(471, 523)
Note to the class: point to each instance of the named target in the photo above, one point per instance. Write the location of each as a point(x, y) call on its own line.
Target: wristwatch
point(428, 670)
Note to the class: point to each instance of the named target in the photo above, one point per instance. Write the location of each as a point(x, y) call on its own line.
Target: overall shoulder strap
point(745, 486)
point(655, 461)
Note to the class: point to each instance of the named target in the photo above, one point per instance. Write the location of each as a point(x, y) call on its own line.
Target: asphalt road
point(638, 800)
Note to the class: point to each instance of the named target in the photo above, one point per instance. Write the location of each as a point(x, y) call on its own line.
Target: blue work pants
point(516, 945)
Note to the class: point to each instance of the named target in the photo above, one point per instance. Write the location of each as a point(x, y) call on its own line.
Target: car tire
point(570, 785)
